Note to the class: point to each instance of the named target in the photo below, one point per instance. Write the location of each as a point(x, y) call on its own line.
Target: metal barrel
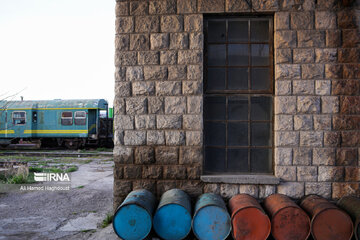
point(352, 206)
point(288, 220)
point(172, 219)
point(133, 218)
point(211, 219)
point(327, 220)
point(248, 219)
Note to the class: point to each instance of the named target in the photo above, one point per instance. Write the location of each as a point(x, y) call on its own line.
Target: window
point(238, 95)
point(66, 118)
point(80, 118)
point(19, 118)
point(34, 117)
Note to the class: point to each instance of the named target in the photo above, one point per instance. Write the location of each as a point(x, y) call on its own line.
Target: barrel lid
point(211, 222)
point(132, 222)
point(172, 221)
point(250, 222)
point(331, 223)
point(290, 222)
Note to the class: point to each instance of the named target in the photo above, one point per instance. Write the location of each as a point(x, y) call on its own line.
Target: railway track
point(54, 153)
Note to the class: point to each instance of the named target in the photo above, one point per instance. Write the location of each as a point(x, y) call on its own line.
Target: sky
point(57, 49)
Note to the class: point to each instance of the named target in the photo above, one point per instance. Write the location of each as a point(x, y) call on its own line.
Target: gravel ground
point(73, 214)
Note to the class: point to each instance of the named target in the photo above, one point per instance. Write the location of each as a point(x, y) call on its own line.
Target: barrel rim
point(241, 194)
point(160, 205)
point(307, 196)
point(213, 205)
point(153, 225)
point(138, 205)
point(267, 217)
point(336, 208)
point(308, 218)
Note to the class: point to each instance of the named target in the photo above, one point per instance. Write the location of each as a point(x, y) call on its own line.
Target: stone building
point(237, 96)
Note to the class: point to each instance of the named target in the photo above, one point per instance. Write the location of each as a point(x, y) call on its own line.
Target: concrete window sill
point(241, 179)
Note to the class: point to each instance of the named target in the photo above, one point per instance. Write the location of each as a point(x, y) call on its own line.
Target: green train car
point(70, 123)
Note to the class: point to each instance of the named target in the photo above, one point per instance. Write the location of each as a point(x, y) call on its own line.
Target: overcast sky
point(57, 49)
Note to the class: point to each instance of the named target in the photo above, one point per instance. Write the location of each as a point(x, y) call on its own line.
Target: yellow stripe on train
point(54, 131)
point(7, 131)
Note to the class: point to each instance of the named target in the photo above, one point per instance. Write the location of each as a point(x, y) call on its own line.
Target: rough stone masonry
point(159, 97)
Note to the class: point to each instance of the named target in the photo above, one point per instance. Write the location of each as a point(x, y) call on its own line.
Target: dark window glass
point(260, 160)
point(66, 118)
point(260, 134)
point(261, 108)
point(238, 95)
point(80, 118)
point(238, 54)
point(216, 31)
point(259, 54)
point(238, 31)
point(80, 114)
point(66, 114)
point(259, 31)
point(260, 79)
point(237, 134)
point(214, 160)
point(238, 160)
point(215, 108)
point(216, 79)
point(215, 133)
point(34, 117)
point(217, 55)
point(238, 78)
point(19, 118)
point(238, 108)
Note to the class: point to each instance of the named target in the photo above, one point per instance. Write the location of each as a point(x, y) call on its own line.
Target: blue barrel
point(172, 220)
point(211, 219)
point(133, 218)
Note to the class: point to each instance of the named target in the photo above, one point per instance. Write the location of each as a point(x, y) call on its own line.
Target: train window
point(34, 117)
point(66, 118)
point(80, 118)
point(19, 118)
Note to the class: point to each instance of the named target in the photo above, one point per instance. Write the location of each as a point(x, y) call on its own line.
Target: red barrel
point(327, 220)
point(248, 219)
point(288, 220)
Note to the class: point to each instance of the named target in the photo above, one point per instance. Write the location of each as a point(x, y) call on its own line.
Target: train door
point(92, 123)
point(34, 122)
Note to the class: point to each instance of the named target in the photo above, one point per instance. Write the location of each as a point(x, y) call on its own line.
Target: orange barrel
point(352, 206)
point(327, 220)
point(288, 220)
point(248, 219)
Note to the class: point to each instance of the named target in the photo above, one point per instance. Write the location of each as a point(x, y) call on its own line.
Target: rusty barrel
point(211, 219)
point(248, 219)
point(288, 220)
point(327, 220)
point(172, 219)
point(133, 218)
point(352, 206)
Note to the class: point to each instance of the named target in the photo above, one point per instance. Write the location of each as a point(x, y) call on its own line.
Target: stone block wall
point(159, 96)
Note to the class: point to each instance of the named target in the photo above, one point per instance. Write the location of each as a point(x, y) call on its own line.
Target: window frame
point(13, 118)
point(247, 93)
point(80, 118)
point(67, 118)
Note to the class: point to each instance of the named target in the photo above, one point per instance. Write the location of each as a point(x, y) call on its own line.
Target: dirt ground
point(74, 214)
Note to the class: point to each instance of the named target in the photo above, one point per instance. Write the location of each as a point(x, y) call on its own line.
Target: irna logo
point(51, 177)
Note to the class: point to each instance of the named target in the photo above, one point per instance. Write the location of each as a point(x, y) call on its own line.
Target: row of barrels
point(172, 219)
